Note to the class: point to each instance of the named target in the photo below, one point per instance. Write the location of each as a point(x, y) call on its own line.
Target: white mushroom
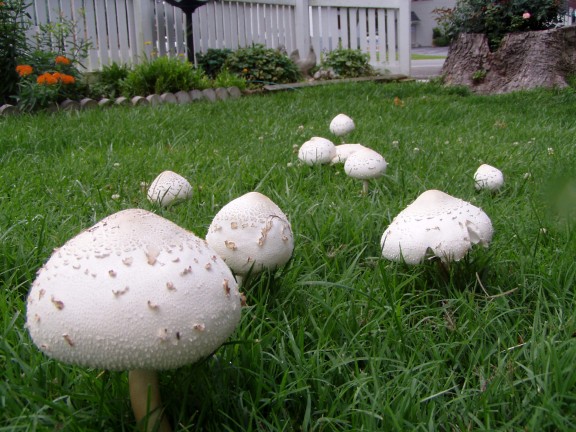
point(169, 188)
point(488, 177)
point(134, 292)
point(365, 164)
point(341, 125)
point(317, 151)
point(435, 224)
point(251, 234)
point(343, 151)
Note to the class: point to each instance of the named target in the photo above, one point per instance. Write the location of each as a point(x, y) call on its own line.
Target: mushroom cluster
point(133, 292)
point(360, 162)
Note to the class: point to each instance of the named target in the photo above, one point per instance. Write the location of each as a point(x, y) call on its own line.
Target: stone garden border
point(181, 97)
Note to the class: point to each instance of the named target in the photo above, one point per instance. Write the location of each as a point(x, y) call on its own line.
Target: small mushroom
point(365, 164)
point(488, 177)
point(436, 224)
point(169, 188)
point(251, 234)
point(317, 151)
point(98, 322)
point(341, 125)
point(343, 151)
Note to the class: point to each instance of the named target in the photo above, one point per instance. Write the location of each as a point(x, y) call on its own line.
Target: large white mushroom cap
point(169, 188)
point(316, 151)
point(343, 151)
point(341, 125)
point(435, 224)
point(488, 177)
point(135, 291)
point(251, 233)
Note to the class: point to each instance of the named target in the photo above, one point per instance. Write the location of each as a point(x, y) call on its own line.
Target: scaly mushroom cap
point(169, 188)
point(317, 151)
point(135, 291)
point(436, 222)
point(341, 125)
point(488, 177)
point(343, 151)
point(365, 164)
point(251, 233)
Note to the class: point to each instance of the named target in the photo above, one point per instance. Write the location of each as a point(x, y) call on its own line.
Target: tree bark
point(524, 60)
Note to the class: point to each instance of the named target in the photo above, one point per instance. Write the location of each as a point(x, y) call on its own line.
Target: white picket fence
point(124, 31)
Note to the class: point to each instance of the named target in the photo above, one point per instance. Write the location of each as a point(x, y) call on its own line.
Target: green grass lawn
point(339, 339)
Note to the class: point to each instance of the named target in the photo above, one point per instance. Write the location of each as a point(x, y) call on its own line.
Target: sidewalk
point(426, 69)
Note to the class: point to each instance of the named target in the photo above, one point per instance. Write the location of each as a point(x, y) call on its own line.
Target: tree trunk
point(524, 60)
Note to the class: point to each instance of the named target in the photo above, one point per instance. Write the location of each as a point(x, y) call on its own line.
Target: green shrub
point(162, 75)
point(348, 63)
point(14, 22)
point(439, 38)
point(213, 60)
point(497, 18)
point(109, 83)
point(259, 65)
point(227, 79)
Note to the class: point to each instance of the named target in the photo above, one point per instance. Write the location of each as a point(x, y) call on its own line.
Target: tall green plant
point(161, 75)
point(14, 21)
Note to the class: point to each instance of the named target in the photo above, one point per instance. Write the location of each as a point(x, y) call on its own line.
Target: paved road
point(426, 69)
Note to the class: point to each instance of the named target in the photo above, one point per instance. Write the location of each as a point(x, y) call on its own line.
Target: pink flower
point(526, 15)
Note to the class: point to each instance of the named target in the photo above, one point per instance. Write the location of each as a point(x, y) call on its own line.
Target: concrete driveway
point(430, 68)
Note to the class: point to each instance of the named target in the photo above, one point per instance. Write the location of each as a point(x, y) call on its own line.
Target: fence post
point(144, 24)
point(302, 26)
point(404, 37)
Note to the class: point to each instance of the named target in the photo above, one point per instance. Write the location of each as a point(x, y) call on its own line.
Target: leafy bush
point(496, 18)
point(110, 80)
point(348, 63)
point(259, 65)
point(162, 75)
point(14, 22)
point(213, 60)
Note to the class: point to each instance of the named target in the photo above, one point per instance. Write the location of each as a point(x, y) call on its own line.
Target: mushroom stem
point(146, 401)
point(365, 186)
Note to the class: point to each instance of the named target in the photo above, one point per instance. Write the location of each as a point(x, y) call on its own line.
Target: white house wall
point(422, 30)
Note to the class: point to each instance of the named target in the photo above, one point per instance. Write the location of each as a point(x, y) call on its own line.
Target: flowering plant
point(48, 79)
point(495, 18)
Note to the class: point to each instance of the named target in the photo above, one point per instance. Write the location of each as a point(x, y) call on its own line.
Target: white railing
point(124, 31)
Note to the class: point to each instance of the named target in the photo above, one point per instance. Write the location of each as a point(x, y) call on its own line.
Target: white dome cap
point(135, 291)
point(316, 151)
point(488, 177)
point(251, 233)
point(365, 164)
point(169, 188)
point(435, 223)
point(341, 125)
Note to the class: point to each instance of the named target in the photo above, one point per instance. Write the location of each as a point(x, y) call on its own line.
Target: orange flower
point(67, 79)
point(46, 79)
point(62, 60)
point(24, 70)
